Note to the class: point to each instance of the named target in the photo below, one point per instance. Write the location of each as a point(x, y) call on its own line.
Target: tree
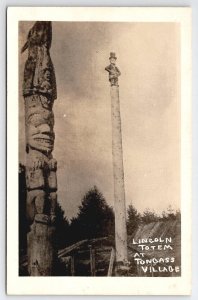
point(149, 216)
point(94, 219)
point(62, 232)
point(133, 219)
point(178, 215)
point(170, 214)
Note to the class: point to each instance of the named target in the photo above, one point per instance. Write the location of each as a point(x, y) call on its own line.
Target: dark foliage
point(149, 216)
point(60, 268)
point(169, 214)
point(94, 219)
point(23, 225)
point(133, 219)
point(62, 233)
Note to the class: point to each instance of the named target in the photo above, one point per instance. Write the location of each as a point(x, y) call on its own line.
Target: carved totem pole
point(39, 91)
point(118, 170)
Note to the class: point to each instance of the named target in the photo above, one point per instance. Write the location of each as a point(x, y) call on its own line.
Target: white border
point(97, 286)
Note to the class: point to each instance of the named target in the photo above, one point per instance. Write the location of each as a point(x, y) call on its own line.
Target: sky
point(148, 56)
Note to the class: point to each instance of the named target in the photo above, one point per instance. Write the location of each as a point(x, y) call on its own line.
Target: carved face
point(47, 75)
point(41, 138)
point(112, 60)
point(40, 135)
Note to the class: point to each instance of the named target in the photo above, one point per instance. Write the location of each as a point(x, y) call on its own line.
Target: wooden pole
point(111, 263)
point(39, 92)
point(118, 170)
point(92, 261)
point(119, 192)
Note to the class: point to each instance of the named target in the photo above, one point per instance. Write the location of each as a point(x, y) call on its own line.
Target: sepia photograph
point(99, 149)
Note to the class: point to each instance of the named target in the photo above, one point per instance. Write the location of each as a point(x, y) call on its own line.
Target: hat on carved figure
point(112, 55)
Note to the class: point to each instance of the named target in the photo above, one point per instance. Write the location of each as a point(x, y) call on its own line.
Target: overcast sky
point(148, 58)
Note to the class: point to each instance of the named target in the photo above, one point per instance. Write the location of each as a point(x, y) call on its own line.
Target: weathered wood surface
point(111, 263)
point(40, 250)
point(39, 92)
point(74, 247)
point(118, 168)
point(71, 248)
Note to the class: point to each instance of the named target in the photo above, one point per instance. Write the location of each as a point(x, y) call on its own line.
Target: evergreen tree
point(170, 214)
point(133, 219)
point(94, 219)
point(62, 233)
point(178, 215)
point(149, 216)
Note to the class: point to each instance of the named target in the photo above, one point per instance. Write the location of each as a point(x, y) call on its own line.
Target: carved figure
point(114, 72)
point(39, 67)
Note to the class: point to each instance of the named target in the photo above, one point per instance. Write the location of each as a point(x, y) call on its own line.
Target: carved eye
point(37, 119)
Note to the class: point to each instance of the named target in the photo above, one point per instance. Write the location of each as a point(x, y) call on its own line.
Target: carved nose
point(44, 128)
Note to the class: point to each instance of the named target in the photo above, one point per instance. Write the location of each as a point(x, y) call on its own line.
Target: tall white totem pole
point(118, 170)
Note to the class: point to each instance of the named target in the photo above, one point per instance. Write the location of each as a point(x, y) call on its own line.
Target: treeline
point(95, 218)
point(134, 218)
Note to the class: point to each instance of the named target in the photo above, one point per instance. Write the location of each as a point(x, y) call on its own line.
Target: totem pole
point(39, 91)
point(118, 171)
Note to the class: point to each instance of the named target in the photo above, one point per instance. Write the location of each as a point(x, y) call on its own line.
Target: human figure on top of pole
point(113, 70)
